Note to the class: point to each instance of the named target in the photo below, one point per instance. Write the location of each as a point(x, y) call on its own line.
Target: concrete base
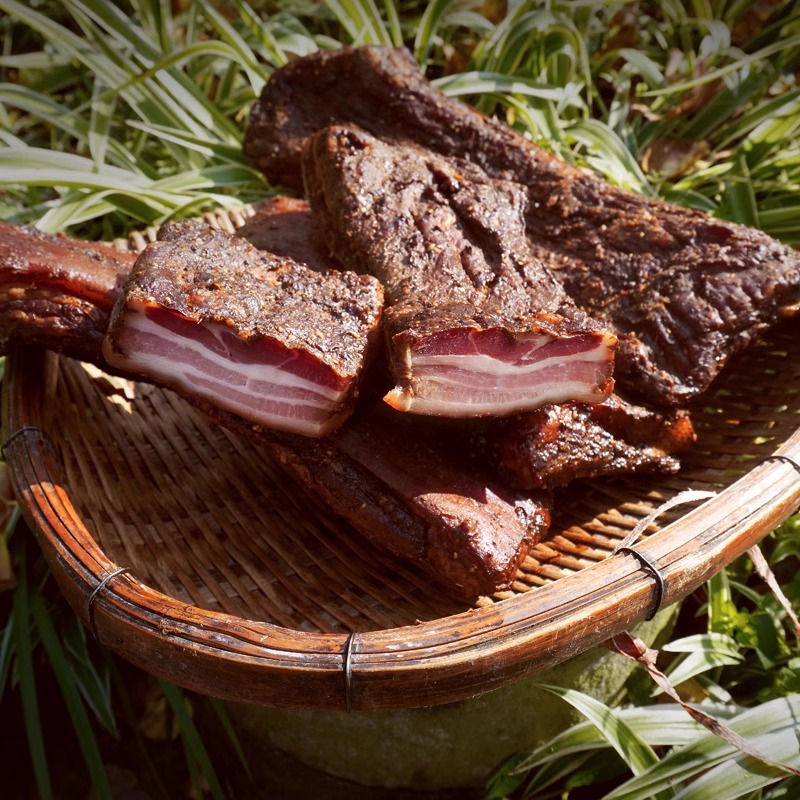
point(455, 746)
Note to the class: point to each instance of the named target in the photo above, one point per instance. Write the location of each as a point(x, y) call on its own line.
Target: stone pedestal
point(417, 751)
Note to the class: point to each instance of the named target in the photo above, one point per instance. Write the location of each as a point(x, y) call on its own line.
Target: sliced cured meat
point(208, 315)
point(683, 291)
point(475, 325)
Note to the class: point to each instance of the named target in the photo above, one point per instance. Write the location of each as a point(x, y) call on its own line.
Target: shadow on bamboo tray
point(189, 554)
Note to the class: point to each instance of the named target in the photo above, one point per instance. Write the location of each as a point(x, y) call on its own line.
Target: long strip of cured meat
point(207, 314)
point(475, 325)
point(683, 291)
point(467, 532)
point(58, 291)
point(557, 444)
point(407, 491)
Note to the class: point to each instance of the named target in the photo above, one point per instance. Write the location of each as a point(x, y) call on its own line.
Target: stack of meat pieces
point(537, 325)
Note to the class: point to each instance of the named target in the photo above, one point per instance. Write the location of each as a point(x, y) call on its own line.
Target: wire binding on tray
point(96, 591)
point(788, 459)
point(17, 433)
point(661, 584)
point(347, 669)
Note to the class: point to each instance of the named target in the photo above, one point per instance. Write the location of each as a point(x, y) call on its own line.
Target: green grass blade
point(483, 82)
point(22, 622)
point(703, 652)
point(208, 147)
point(222, 716)
point(261, 30)
point(632, 749)
point(44, 108)
point(65, 677)
point(428, 25)
point(195, 749)
point(741, 776)
point(663, 725)
point(91, 678)
point(361, 20)
point(393, 23)
point(607, 153)
point(776, 718)
point(242, 51)
point(7, 646)
point(790, 45)
point(100, 122)
point(740, 201)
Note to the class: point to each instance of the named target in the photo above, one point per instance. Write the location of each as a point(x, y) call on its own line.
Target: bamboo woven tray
point(191, 555)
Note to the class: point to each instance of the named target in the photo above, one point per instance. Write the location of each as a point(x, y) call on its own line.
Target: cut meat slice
point(556, 444)
point(58, 291)
point(683, 291)
point(475, 325)
point(208, 315)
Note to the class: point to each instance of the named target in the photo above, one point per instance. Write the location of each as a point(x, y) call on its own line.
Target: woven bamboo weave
point(191, 554)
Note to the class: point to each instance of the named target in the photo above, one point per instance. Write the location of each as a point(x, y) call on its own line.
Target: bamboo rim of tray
point(189, 554)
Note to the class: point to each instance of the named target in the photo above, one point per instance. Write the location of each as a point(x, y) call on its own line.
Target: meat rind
point(57, 291)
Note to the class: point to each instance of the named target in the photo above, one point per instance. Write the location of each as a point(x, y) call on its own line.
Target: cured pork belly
point(207, 314)
point(556, 444)
point(58, 291)
point(285, 227)
point(412, 493)
point(463, 528)
point(475, 325)
point(683, 291)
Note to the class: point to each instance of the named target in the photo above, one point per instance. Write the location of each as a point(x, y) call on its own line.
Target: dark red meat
point(475, 325)
point(556, 444)
point(58, 291)
point(683, 291)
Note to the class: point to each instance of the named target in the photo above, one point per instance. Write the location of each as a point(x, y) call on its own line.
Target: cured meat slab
point(207, 314)
point(475, 325)
point(683, 291)
point(57, 291)
point(449, 519)
point(556, 444)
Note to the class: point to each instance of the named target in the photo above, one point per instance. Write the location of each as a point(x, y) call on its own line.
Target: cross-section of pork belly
point(475, 325)
point(207, 314)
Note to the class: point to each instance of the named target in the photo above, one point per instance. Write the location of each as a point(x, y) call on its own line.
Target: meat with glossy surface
point(405, 490)
point(683, 291)
point(58, 291)
point(475, 325)
point(285, 227)
point(556, 444)
point(207, 314)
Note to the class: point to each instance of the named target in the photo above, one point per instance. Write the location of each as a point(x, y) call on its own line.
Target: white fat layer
point(246, 380)
point(458, 391)
point(496, 403)
point(482, 364)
